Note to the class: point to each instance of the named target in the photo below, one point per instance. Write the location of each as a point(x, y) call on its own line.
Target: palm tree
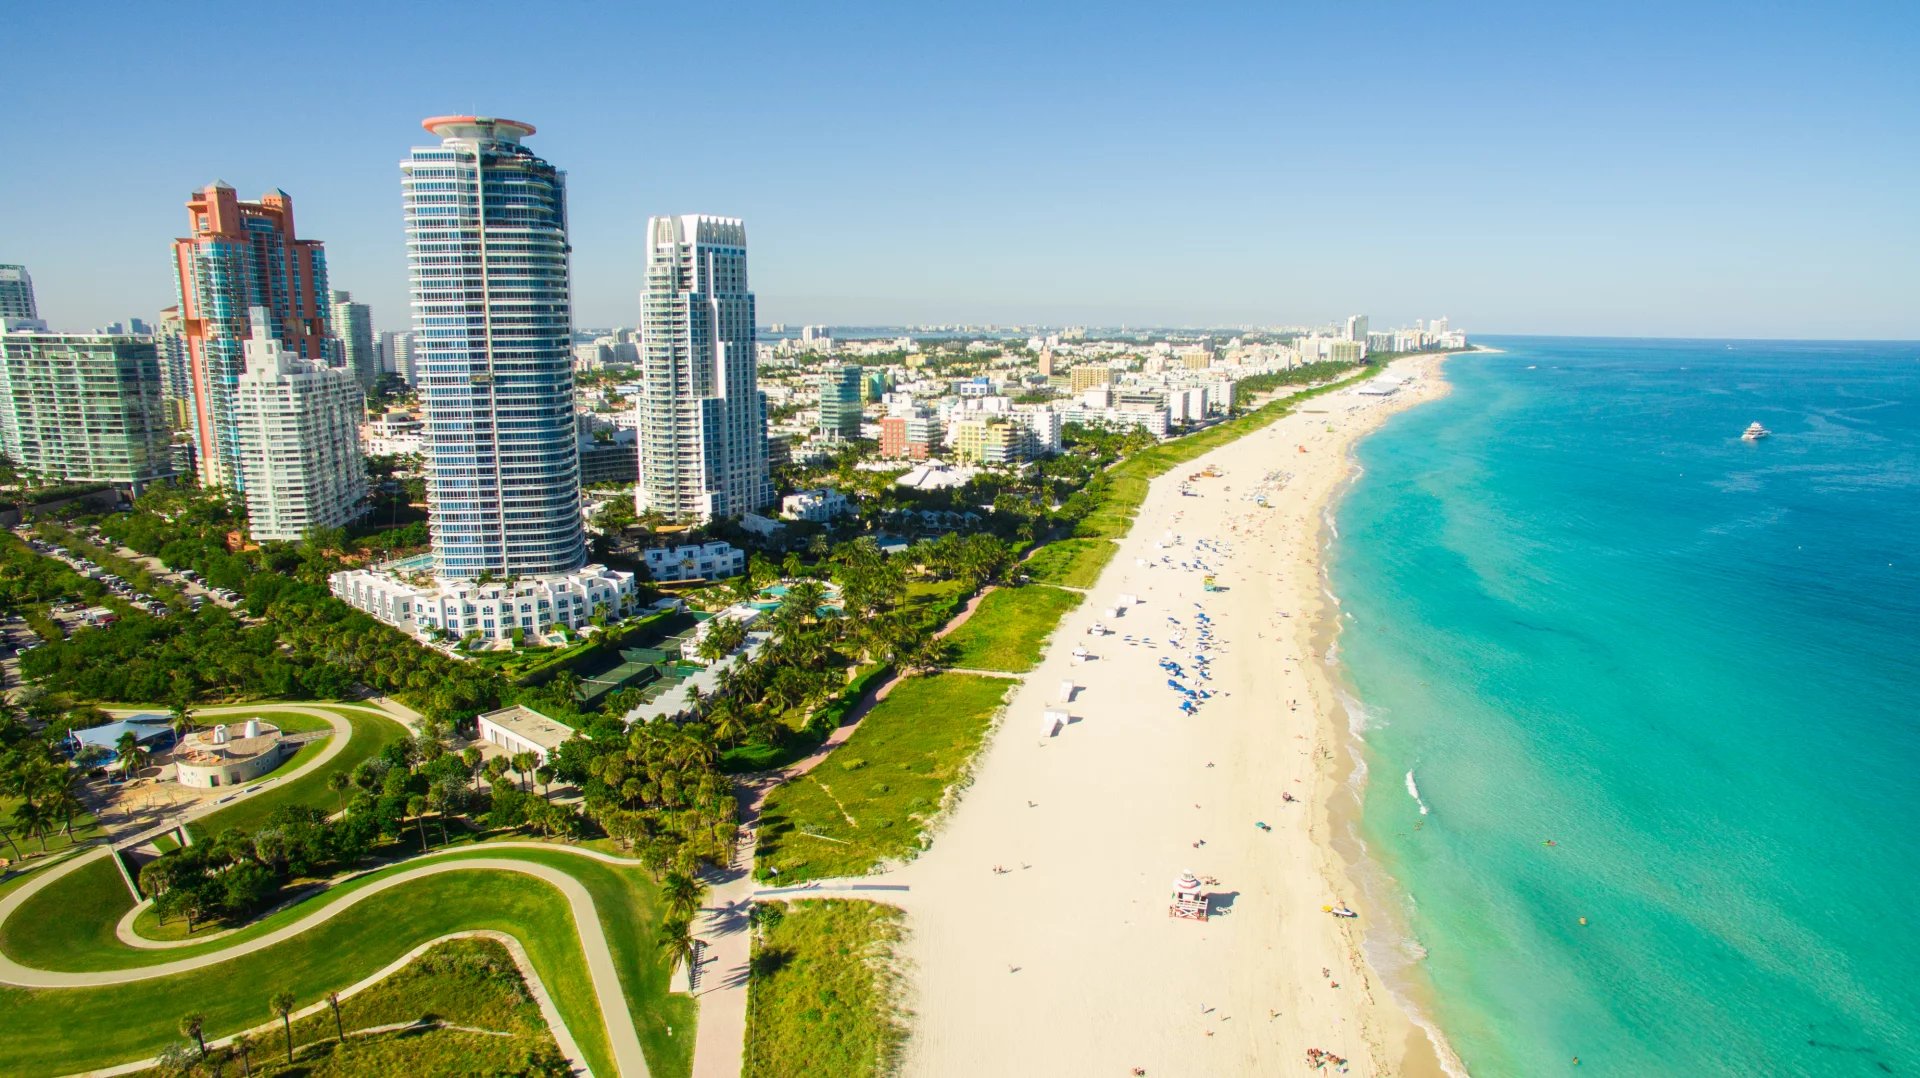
point(132, 755)
point(544, 776)
point(33, 817)
point(471, 756)
point(194, 1025)
point(242, 1046)
point(282, 1004)
point(417, 808)
point(678, 943)
point(681, 895)
point(523, 762)
point(180, 717)
point(339, 1027)
point(338, 783)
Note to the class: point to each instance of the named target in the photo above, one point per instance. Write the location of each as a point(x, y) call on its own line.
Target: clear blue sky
point(1676, 168)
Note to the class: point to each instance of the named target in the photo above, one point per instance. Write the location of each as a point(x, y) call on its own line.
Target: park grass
point(404, 1051)
point(1009, 629)
point(85, 829)
point(45, 933)
point(823, 998)
point(61, 1030)
point(872, 801)
point(1075, 563)
point(371, 733)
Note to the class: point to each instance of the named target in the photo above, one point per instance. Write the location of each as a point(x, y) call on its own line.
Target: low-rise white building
point(428, 606)
point(696, 561)
point(818, 506)
point(519, 729)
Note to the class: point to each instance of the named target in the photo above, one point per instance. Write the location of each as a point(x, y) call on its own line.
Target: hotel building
point(82, 407)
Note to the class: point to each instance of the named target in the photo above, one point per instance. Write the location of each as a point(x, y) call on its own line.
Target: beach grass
point(823, 996)
point(58, 1030)
point(871, 801)
point(1009, 629)
point(371, 733)
point(1075, 563)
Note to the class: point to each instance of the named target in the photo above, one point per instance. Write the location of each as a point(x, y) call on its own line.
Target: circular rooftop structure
point(228, 755)
point(481, 127)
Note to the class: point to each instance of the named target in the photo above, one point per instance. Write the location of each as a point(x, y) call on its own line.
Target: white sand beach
point(1068, 963)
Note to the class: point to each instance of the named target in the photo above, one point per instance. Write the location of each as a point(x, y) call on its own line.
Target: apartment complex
point(84, 407)
point(240, 256)
point(299, 438)
point(701, 417)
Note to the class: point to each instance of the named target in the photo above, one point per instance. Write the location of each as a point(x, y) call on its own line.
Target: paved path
point(536, 988)
point(618, 1019)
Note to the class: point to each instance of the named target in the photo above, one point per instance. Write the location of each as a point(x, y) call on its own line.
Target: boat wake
point(1413, 791)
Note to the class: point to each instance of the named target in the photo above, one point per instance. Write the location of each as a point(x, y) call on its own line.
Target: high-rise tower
point(492, 322)
point(353, 328)
point(16, 293)
point(703, 420)
point(239, 256)
point(299, 437)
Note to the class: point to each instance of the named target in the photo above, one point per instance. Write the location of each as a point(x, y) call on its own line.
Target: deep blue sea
point(1580, 610)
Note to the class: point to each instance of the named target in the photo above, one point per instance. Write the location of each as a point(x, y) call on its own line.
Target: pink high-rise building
point(241, 256)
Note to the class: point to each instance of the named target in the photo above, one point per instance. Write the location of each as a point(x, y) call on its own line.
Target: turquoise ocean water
point(1579, 608)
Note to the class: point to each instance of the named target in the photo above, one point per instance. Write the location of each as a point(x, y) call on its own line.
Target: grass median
point(1009, 629)
point(872, 799)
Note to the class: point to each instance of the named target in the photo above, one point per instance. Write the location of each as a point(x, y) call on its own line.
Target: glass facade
point(84, 407)
point(491, 349)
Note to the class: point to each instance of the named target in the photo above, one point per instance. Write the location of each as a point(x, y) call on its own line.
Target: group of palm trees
point(41, 784)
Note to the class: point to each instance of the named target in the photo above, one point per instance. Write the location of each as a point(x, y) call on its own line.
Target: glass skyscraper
point(492, 322)
point(702, 418)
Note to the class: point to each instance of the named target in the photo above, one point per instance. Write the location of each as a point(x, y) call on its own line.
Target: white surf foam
point(1414, 792)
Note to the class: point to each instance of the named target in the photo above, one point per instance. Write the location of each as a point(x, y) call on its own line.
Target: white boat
point(1755, 432)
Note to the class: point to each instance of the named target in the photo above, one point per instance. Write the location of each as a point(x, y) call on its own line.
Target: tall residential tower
point(298, 427)
point(240, 256)
point(353, 328)
point(492, 350)
point(702, 418)
point(16, 293)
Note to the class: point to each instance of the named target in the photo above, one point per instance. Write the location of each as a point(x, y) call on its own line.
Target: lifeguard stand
point(1189, 902)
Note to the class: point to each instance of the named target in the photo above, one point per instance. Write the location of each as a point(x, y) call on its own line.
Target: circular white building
point(228, 755)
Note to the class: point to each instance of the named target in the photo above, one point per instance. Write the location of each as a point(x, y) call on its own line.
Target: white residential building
point(424, 605)
point(817, 506)
point(703, 419)
point(696, 561)
point(297, 428)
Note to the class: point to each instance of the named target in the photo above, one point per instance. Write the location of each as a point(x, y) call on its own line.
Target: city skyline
point(1552, 173)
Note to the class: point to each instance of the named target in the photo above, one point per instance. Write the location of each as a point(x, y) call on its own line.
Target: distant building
point(16, 293)
point(83, 407)
point(840, 411)
point(396, 355)
point(703, 419)
point(1357, 328)
point(1088, 376)
point(613, 462)
point(704, 561)
point(298, 425)
point(817, 506)
point(392, 434)
point(353, 330)
point(1346, 351)
point(911, 437)
point(240, 256)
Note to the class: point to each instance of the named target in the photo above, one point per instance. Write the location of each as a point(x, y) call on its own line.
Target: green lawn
point(371, 733)
point(85, 828)
point(870, 802)
point(69, 926)
point(824, 995)
point(1073, 562)
point(1010, 628)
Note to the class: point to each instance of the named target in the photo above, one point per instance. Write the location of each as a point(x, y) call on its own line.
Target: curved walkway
point(536, 988)
point(621, 1036)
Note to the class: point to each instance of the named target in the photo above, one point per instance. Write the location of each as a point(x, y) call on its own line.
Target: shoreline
point(1067, 962)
